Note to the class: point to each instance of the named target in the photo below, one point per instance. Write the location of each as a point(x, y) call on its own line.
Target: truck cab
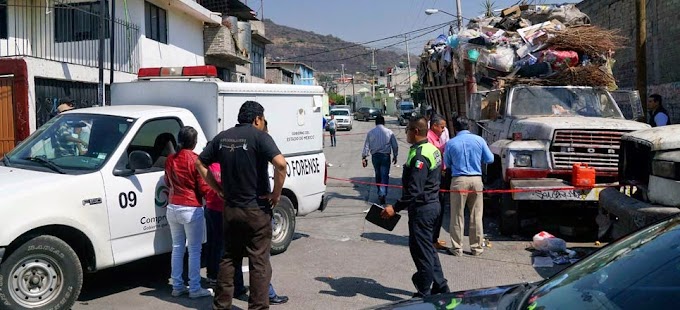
point(406, 111)
point(86, 191)
point(649, 173)
point(537, 133)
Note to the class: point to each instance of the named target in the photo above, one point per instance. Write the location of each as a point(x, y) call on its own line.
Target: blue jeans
point(215, 248)
point(186, 226)
point(381, 166)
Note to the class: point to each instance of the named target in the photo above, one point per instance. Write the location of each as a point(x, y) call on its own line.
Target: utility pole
point(101, 96)
point(344, 85)
point(408, 61)
point(373, 68)
point(641, 51)
point(459, 9)
point(354, 96)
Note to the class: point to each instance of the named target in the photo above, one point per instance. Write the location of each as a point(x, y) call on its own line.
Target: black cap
point(66, 100)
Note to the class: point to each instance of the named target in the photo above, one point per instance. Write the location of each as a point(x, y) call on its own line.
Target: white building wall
point(184, 47)
point(185, 39)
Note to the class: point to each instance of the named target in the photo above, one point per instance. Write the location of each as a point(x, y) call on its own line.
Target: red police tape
point(488, 191)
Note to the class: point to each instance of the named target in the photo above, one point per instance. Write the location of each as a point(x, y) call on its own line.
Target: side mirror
point(140, 160)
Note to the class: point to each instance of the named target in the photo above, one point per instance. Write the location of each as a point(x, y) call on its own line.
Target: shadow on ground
point(386, 238)
point(353, 286)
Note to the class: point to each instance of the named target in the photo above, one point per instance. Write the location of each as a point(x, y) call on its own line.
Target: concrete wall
point(663, 54)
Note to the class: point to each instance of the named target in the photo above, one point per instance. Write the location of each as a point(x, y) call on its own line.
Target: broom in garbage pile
point(587, 39)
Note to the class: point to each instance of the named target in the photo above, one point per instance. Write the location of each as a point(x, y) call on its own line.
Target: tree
point(417, 93)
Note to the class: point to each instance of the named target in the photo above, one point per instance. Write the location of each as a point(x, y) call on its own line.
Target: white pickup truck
point(537, 133)
point(86, 191)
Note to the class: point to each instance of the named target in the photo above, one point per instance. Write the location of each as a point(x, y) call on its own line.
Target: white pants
point(187, 225)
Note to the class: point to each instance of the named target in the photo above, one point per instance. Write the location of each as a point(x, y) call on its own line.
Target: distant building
point(237, 46)
point(302, 73)
point(49, 50)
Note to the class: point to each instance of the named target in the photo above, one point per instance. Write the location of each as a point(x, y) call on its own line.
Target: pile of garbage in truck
point(528, 44)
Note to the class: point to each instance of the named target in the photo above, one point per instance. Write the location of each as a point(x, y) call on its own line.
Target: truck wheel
point(42, 273)
point(509, 216)
point(283, 226)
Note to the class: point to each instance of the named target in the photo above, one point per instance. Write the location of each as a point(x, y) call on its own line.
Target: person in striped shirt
point(380, 143)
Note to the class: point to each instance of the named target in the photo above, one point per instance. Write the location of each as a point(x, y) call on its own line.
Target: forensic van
point(86, 191)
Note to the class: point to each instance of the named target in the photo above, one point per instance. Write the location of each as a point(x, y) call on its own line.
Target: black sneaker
point(382, 200)
point(277, 300)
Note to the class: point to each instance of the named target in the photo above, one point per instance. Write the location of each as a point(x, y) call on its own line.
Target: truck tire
point(42, 273)
point(283, 226)
point(509, 216)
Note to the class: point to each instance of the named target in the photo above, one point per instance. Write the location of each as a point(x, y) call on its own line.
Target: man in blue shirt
point(464, 155)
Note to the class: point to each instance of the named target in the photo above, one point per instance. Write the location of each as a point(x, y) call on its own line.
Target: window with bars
point(3, 19)
point(79, 21)
point(156, 20)
point(257, 60)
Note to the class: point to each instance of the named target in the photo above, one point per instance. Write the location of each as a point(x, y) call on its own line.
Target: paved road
point(338, 260)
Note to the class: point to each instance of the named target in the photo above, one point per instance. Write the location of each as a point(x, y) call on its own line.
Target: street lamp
point(435, 11)
point(458, 17)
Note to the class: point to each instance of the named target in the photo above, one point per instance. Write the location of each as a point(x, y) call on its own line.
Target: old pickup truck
point(649, 171)
point(537, 133)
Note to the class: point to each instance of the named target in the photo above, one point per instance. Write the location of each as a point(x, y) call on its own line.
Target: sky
point(366, 20)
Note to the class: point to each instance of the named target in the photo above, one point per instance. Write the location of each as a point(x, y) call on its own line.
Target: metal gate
point(49, 91)
point(7, 138)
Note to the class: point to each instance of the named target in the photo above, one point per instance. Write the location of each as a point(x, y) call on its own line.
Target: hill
point(291, 44)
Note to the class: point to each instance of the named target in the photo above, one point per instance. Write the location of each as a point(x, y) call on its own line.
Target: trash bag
point(568, 14)
point(546, 242)
point(502, 59)
point(559, 60)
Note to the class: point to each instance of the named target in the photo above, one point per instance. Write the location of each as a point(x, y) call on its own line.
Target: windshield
point(641, 271)
point(71, 143)
point(339, 112)
point(562, 101)
point(406, 106)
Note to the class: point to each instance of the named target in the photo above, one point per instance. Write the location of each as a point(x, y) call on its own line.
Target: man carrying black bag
point(420, 195)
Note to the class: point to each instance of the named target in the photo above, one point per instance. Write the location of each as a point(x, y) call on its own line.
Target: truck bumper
point(631, 214)
point(2, 254)
point(323, 204)
point(553, 189)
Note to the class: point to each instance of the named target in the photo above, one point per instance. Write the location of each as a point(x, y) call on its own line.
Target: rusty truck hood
point(542, 128)
point(658, 138)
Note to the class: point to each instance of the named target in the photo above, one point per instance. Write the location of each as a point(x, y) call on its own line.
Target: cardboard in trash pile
point(373, 216)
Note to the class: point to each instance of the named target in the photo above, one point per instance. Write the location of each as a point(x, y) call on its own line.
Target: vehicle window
point(638, 272)
point(561, 101)
point(158, 138)
point(72, 143)
point(339, 112)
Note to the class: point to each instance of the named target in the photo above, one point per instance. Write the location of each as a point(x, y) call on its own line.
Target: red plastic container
point(582, 175)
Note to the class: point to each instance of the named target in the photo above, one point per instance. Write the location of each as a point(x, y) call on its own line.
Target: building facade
point(303, 74)
point(663, 67)
point(49, 50)
point(237, 46)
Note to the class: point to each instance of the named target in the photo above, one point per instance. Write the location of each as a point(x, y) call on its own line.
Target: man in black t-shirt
point(244, 153)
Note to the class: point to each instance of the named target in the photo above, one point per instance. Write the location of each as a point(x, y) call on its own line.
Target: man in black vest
point(659, 115)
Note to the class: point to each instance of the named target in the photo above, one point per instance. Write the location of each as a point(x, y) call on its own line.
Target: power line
point(368, 42)
point(382, 48)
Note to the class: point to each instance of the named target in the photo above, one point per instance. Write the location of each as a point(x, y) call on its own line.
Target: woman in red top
point(185, 214)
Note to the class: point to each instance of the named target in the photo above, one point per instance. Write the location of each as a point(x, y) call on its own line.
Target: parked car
point(365, 114)
point(640, 271)
point(343, 117)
